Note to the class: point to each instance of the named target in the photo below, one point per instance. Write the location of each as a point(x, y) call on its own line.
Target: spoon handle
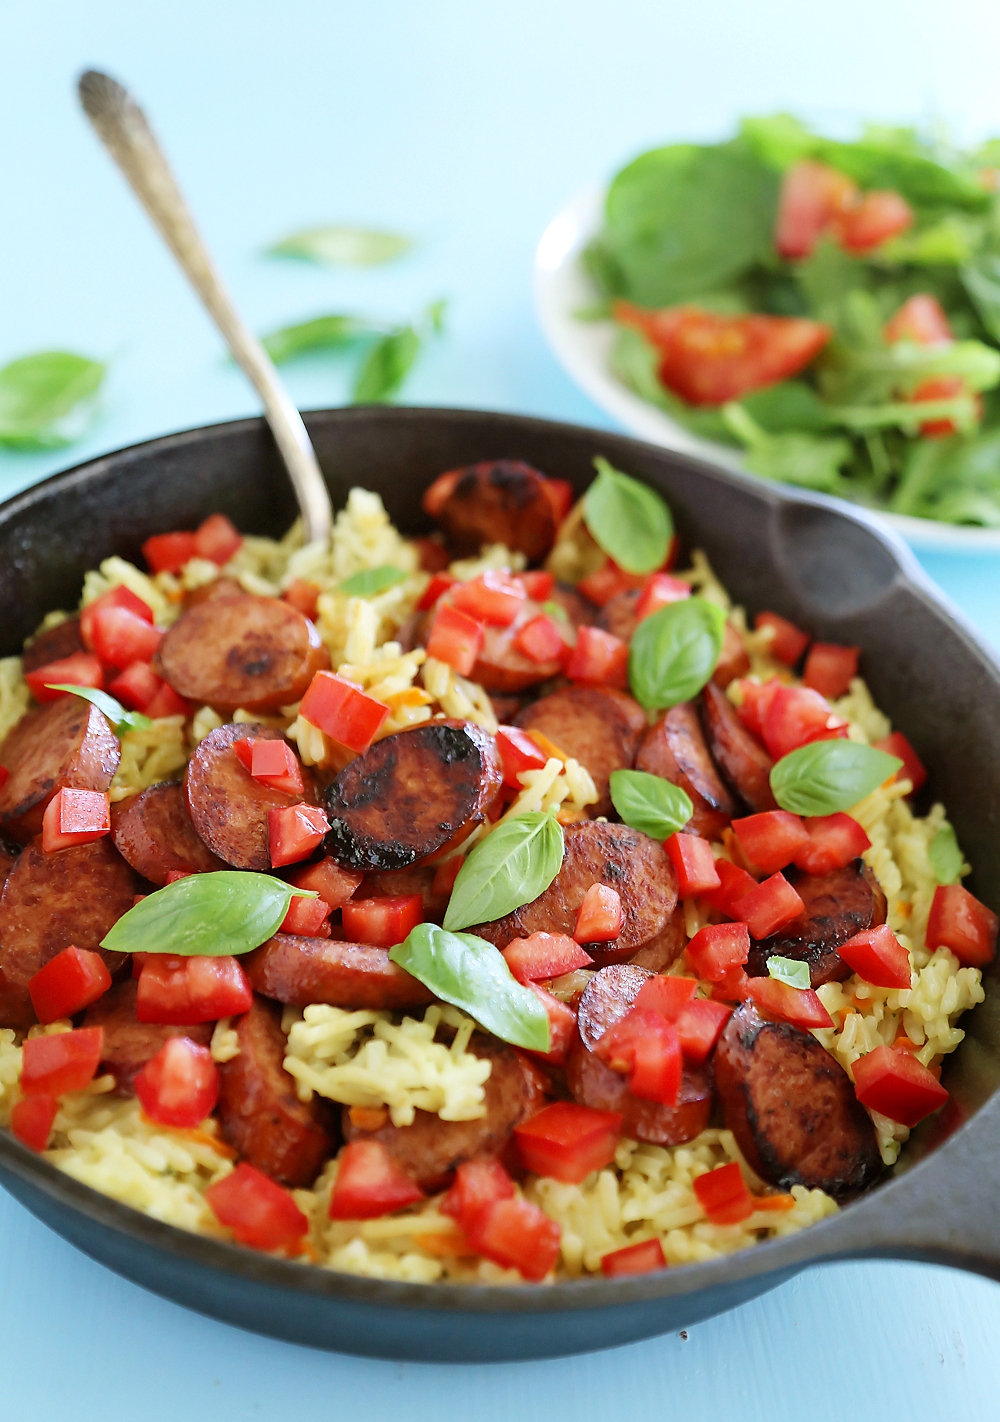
point(126, 134)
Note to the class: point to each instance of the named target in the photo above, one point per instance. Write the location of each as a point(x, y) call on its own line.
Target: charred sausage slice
point(228, 808)
point(67, 742)
point(257, 653)
point(592, 728)
point(51, 901)
point(792, 1108)
point(259, 1111)
point(838, 905)
point(617, 616)
point(410, 793)
point(208, 592)
point(745, 764)
point(16, 1010)
point(675, 749)
point(298, 971)
point(596, 853)
point(499, 501)
point(128, 1043)
point(153, 831)
point(51, 646)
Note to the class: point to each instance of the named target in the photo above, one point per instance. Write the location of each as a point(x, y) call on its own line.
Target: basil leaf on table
point(472, 975)
point(322, 333)
point(649, 803)
point(342, 246)
point(206, 915)
point(945, 856)
point(627, 519)
point(515, 863)
point(674, 652)
point(38, 393)
point(371, 581)
point(386, 366)
point(826, 776)
point(121, 719)
point(790, 971)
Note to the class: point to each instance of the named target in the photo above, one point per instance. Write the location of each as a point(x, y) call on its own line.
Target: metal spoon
point(124, 131)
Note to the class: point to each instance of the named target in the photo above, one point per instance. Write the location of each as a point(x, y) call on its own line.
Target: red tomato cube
point(121, 637)
point(800, 1006)
point(75, 817)
point(166, 702)
point(660, 590)
point(544, 955)
point(136, 686)
point(723, 1195)
point(303, 596)
point(559, 493)
point(834, 840)
point(943, 387)
point(307, 918)
point(788, 642)
point(812, 196)
point(731, 988)
point(334, 885)
point(922, 320)
point(63, 1061)
point(566, 1141)
point(438, 585)
point(260, 1213)
point(273, 763)
point(600, 917)
point(382, 922)
point(756, 699)
point(434, 557)
point(601, 586)
point(873, 220)
point(562, 1025)
point(539, 585)
point(540, 640)
point(719, 947)
point(913, 769)
point(68, 983)
point(294, 831)
point(456, 638)
point(598, 659)
point(795, 717)
point(693, 863)
point(700, 1026)
point(180, 1085)
point(81, 669)
point(734, 882)
point(180, 991)
point(477, 1184)
point(960, 922)
point(647, 1045)
point(168, 552)
point(118, 596)
point(517, 1235)
point(342, 711)
point(769, 906)
point(217, 540)
point(829, 669)
point(666, 994)
point(518, 752)
point(896, 1085)
point(878, 956)
point(369, 1183)
point(770, 840)
point(642, 1258)
point(494, 598)
point(31, 1120)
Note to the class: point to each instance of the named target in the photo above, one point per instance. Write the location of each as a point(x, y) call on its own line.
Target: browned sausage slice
point(597, 853)
point(579, 609)
point(745, 764)
point(298, 971)
point(592, 728)
point(499, 501)
point(792, 1108)
point(734, 660)
point(16, 1009)
point(128, 1043)
point(617, 616)
point(241, 651)
point(228, 808)
point(675, 749)
point(208, 592)
point(51, 901)
point(51, 646)
point(153, 831)
point(430, 1148)
point(410, 793)
point(67, 742)
point(838, 905)
point(259, 1112)
point(666, 947)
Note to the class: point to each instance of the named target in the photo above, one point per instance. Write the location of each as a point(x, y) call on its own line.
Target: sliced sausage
point(734, 660)
point(675, 749)
point(630, 709)
point(153, 831)
point(617, 616)
point(505, 708)
point(393, 883)
point(666, 947)
point(64, 743)
point(259, 1111)
point(410, 793)
point(792, 1108)
point(51, 901)
point(837, 906)
point(502, 668)
point(228, 808)
point(218, 587)
point(51, 646)
point(241, 651)
point(591, 727)
point(606, 999)
point(128, 1043)
point(430, 1148)
point(16, 1009)
point(298, 971)
point(597, 853)
point(499, 501)
point(579, 609)
point(745, 764)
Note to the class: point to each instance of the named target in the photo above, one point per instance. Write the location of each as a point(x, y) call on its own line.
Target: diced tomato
point(608, 580)
point(62, 1061)
point(898, 1086)
point(922, 320)
point(723, 1195)
point(541, 640)
point(913, 767)
point(734, 882)
point(598, 659)
point(830, 667)
point(645, 1046)
point(68, 983)
point(494, 598)
point(260, 1213)
point(80, 669)
point(477, 1184)
point(878, 956)
point(446, 873)
point(178, 991)
point(941, 387)
point(121, 637)
point(136, 686)
point(217, 540)
point(539, 584)
point(303, 597)
point(756, 698)
point(873, 220)
point(666, 994)
point(180, 1085)
point(788, 641)
point(800, 1006)
point(342, 711)
point(306, 917)
point(456, 638)
point(700, 1026)
point(31, 1120)
point(719, 947)
point(600, 916)
point(166, 702)
point(168, 552)
point(566, 1141)
point(437, 587)
point(382, 922)
point(369, 1183)
point(334, 885)
point(294, 831)
point(4, 776)
point(544, 955)
point(769, 906)
point(559, 493)
point(517, 1235)
point(75, 817)
point(770, 840)
point(797, 716)
point(273, 763)
point(562, 1025)
point(660, 590)
point(642, 1258)
point(693, 863)
point(118, 596)
point(834, 840)
point(518, 752)
point(812, 196)
point(960, 922)
point(731, 988)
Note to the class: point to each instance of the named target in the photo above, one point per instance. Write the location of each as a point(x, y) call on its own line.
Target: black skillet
point(821, 565)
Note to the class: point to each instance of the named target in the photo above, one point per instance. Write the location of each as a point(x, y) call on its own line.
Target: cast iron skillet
point(820, 564)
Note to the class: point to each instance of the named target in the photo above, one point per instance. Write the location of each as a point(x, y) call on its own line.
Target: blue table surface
point(466, 126)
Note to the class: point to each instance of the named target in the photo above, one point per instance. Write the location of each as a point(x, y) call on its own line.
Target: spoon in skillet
point(122, 127)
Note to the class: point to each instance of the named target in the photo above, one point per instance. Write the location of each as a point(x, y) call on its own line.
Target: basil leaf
point(205, 915)
point(649, 803)
point(627, 519)
point(557, 612)
point(790, 971)
point(512, 866)
point(386, 366)
point(826, 776)
point(945, 856)
point(121, 719)
point(322, 333)
point(38, 393)
point(342, 246)
point(371, 581)
point(674, 652)
point(471, 974)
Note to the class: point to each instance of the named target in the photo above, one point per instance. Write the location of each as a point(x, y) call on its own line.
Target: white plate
point(583, 347)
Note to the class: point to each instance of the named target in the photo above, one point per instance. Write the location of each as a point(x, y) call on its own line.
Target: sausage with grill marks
point(675, 749)
point(744, 763)
point(591, 727)
point(15, 1002)
point(498, 501)
point(837, 906)
point(298, 970)
point(128, 1043)
point(57, 642)
point(154, 833)
point(67, 742)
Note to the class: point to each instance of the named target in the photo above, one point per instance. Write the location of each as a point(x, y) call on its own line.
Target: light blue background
point(466, 125)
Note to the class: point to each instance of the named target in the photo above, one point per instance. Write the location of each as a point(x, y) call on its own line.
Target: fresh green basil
point(627, 519)
point(386, 366)
point(649, 803)
point(945, 856)
point(121, 719)
point(514, 864)
point(674, 652)
point(206, 915)
point(790, 971)
point(826, 776)
point(342, 246)
point(323, 333)
point(38, 395)
point(371, 581)
point(471, 974)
